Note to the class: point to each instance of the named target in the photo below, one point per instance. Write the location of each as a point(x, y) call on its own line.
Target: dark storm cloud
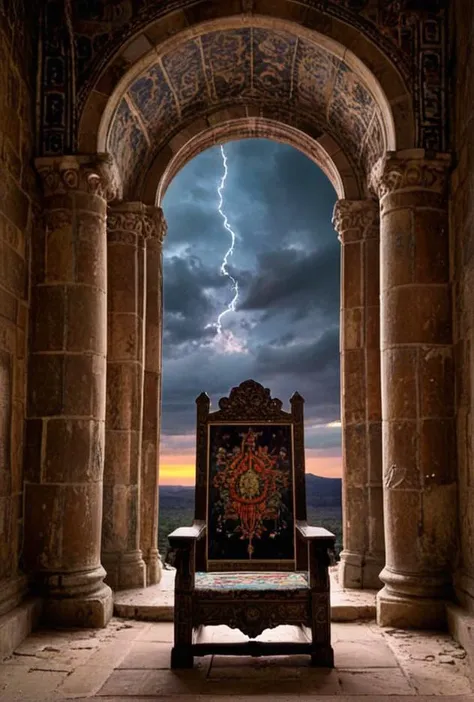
point(185, 283)
point(292, 279)
point(302, 359)
point(286, 261)
point(299, 198)
point(316, 378)
point(185, 378)
point(187, 306)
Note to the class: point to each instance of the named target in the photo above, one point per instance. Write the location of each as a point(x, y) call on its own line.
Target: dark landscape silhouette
point(323, 498)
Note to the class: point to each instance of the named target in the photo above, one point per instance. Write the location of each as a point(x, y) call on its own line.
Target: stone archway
point(298, 78)
point(153, 102)
point(332, 109)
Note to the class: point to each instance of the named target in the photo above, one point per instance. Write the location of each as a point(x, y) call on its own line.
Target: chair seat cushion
point(251, 581)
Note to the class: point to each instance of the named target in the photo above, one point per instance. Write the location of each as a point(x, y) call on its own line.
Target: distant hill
point(323, 492)
point(320, 492)
point(323, 499)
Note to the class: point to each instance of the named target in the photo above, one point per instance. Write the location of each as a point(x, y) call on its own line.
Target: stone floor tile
point(246, 662)
point(147, 655)
point(363, 654)
point(424, 646)
point(248, 669)
point(111, 653)
point(85, 680)
point(320, 681)
point(263, 685)
point(52, 658)
point(154, 682)
point(23, 683)
point(122, 630)
point(161, 632)
point(355, 631)
point(127, 682)
point(436, 678)
point(432, 661)
point(38, 641)
point(377, 681)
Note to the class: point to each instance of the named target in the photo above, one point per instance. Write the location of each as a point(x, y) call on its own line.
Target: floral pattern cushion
point(251, 581)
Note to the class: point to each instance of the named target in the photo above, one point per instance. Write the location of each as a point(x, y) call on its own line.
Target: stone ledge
point(16, 625)
point(156, 603)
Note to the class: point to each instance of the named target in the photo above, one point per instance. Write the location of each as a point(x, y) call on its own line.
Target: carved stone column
point(357, 223)
point(152, 396)
point(121, 554)
point(66, 404)
point(417, 389)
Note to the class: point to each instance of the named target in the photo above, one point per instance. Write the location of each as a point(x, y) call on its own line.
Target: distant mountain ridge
point(320, 492)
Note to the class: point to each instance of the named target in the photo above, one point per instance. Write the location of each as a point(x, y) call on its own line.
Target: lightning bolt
point(235, 286)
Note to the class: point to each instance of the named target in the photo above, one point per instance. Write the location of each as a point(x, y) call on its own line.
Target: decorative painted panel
point(273, 63)
point(250, 493)
point(228, 78)
point(81, 38)
point(127, 142)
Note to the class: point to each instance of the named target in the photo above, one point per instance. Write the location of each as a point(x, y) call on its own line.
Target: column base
point(94, 611)
point(360, 572)
point(125, 571)
point(406, 612)
point(154, 567)
point(76, 599)
point(350, 570)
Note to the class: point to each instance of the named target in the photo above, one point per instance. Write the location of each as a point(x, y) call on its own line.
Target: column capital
point(96, 174)
point(410, 169)
point(137, 218)
point(354, 220)
point(158, 228)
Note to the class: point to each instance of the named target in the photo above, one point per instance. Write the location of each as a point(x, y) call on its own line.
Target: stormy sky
point(285, 330)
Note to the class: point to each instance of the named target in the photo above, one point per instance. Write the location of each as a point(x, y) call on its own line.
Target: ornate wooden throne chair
point(250, 560)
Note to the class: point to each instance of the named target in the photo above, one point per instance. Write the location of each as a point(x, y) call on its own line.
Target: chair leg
point(323, 657)
point(182, 652)
point(181, 657)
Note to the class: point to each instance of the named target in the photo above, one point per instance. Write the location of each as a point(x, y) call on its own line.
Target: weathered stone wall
point(18, 42)
point(462, 247)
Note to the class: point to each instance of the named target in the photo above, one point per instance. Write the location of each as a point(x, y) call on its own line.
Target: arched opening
point(273, 316)
point(231, 79)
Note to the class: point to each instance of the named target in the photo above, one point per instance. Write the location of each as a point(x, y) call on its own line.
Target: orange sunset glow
point(179, 469)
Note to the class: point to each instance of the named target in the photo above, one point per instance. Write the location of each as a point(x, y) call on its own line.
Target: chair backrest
point(250, 480)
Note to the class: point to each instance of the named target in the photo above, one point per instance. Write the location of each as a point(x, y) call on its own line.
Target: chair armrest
point(182, 555)
point(320, 543)
point(310, 533)
point(186, 537)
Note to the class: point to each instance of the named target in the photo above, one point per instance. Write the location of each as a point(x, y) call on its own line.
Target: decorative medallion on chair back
point(250, 496)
